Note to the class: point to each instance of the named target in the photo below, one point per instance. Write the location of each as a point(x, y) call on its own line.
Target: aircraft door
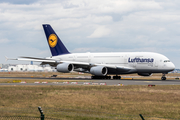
point(134, 64)
point(74, 58)
point(90, 57)
point(156, 64)
point(125, 60)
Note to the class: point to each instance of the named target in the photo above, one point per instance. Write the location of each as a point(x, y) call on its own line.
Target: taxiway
point(90, 81)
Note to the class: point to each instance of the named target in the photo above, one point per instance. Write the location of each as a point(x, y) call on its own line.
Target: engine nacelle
point(65, 67)
point(99, 70)
point(145, 74)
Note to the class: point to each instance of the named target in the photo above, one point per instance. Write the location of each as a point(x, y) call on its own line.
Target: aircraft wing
point(36, 59)
point(77, 65)
point(85, 67)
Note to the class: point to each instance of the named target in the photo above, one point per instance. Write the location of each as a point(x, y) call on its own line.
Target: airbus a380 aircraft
point(100, 65)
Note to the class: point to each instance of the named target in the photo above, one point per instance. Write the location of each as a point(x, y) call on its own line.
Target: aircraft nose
point(171, 66)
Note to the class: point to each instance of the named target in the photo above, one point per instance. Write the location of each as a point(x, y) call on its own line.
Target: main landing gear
point(163, 76)
point(116, 77)
point(105, 77)
point(100, 77)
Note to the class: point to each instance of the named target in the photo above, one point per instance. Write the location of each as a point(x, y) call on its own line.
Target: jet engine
point(99, 71)
point(145, 74)
point(65, 67)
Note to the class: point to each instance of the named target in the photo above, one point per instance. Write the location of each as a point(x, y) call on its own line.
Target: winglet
point(6, 58)
point(55, 44)
point(10, 58)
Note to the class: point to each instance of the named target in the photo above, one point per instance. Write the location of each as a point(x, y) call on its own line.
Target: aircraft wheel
point(96, 77)
point(116, 77)
point(163, 78)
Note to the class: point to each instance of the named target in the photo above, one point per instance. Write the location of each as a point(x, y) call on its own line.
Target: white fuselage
point(139, 62)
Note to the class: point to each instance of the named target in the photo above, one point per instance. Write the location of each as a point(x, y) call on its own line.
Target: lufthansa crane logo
point(52, 40)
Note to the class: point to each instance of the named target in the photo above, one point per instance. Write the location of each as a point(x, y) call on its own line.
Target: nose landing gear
point(163, 76)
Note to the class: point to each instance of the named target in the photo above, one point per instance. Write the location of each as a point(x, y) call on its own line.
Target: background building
point(30, 68)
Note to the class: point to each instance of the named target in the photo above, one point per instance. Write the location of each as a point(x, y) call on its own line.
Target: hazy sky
point(90, 26)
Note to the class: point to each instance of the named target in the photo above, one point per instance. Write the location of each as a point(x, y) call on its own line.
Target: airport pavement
point(42, 81)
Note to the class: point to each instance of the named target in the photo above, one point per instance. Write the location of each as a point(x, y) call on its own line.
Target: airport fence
point(68, 114)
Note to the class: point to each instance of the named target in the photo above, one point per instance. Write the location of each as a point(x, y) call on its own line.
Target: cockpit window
point(167, 61)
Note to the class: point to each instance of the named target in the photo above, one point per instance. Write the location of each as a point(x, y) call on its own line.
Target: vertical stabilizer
point(55, 44)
